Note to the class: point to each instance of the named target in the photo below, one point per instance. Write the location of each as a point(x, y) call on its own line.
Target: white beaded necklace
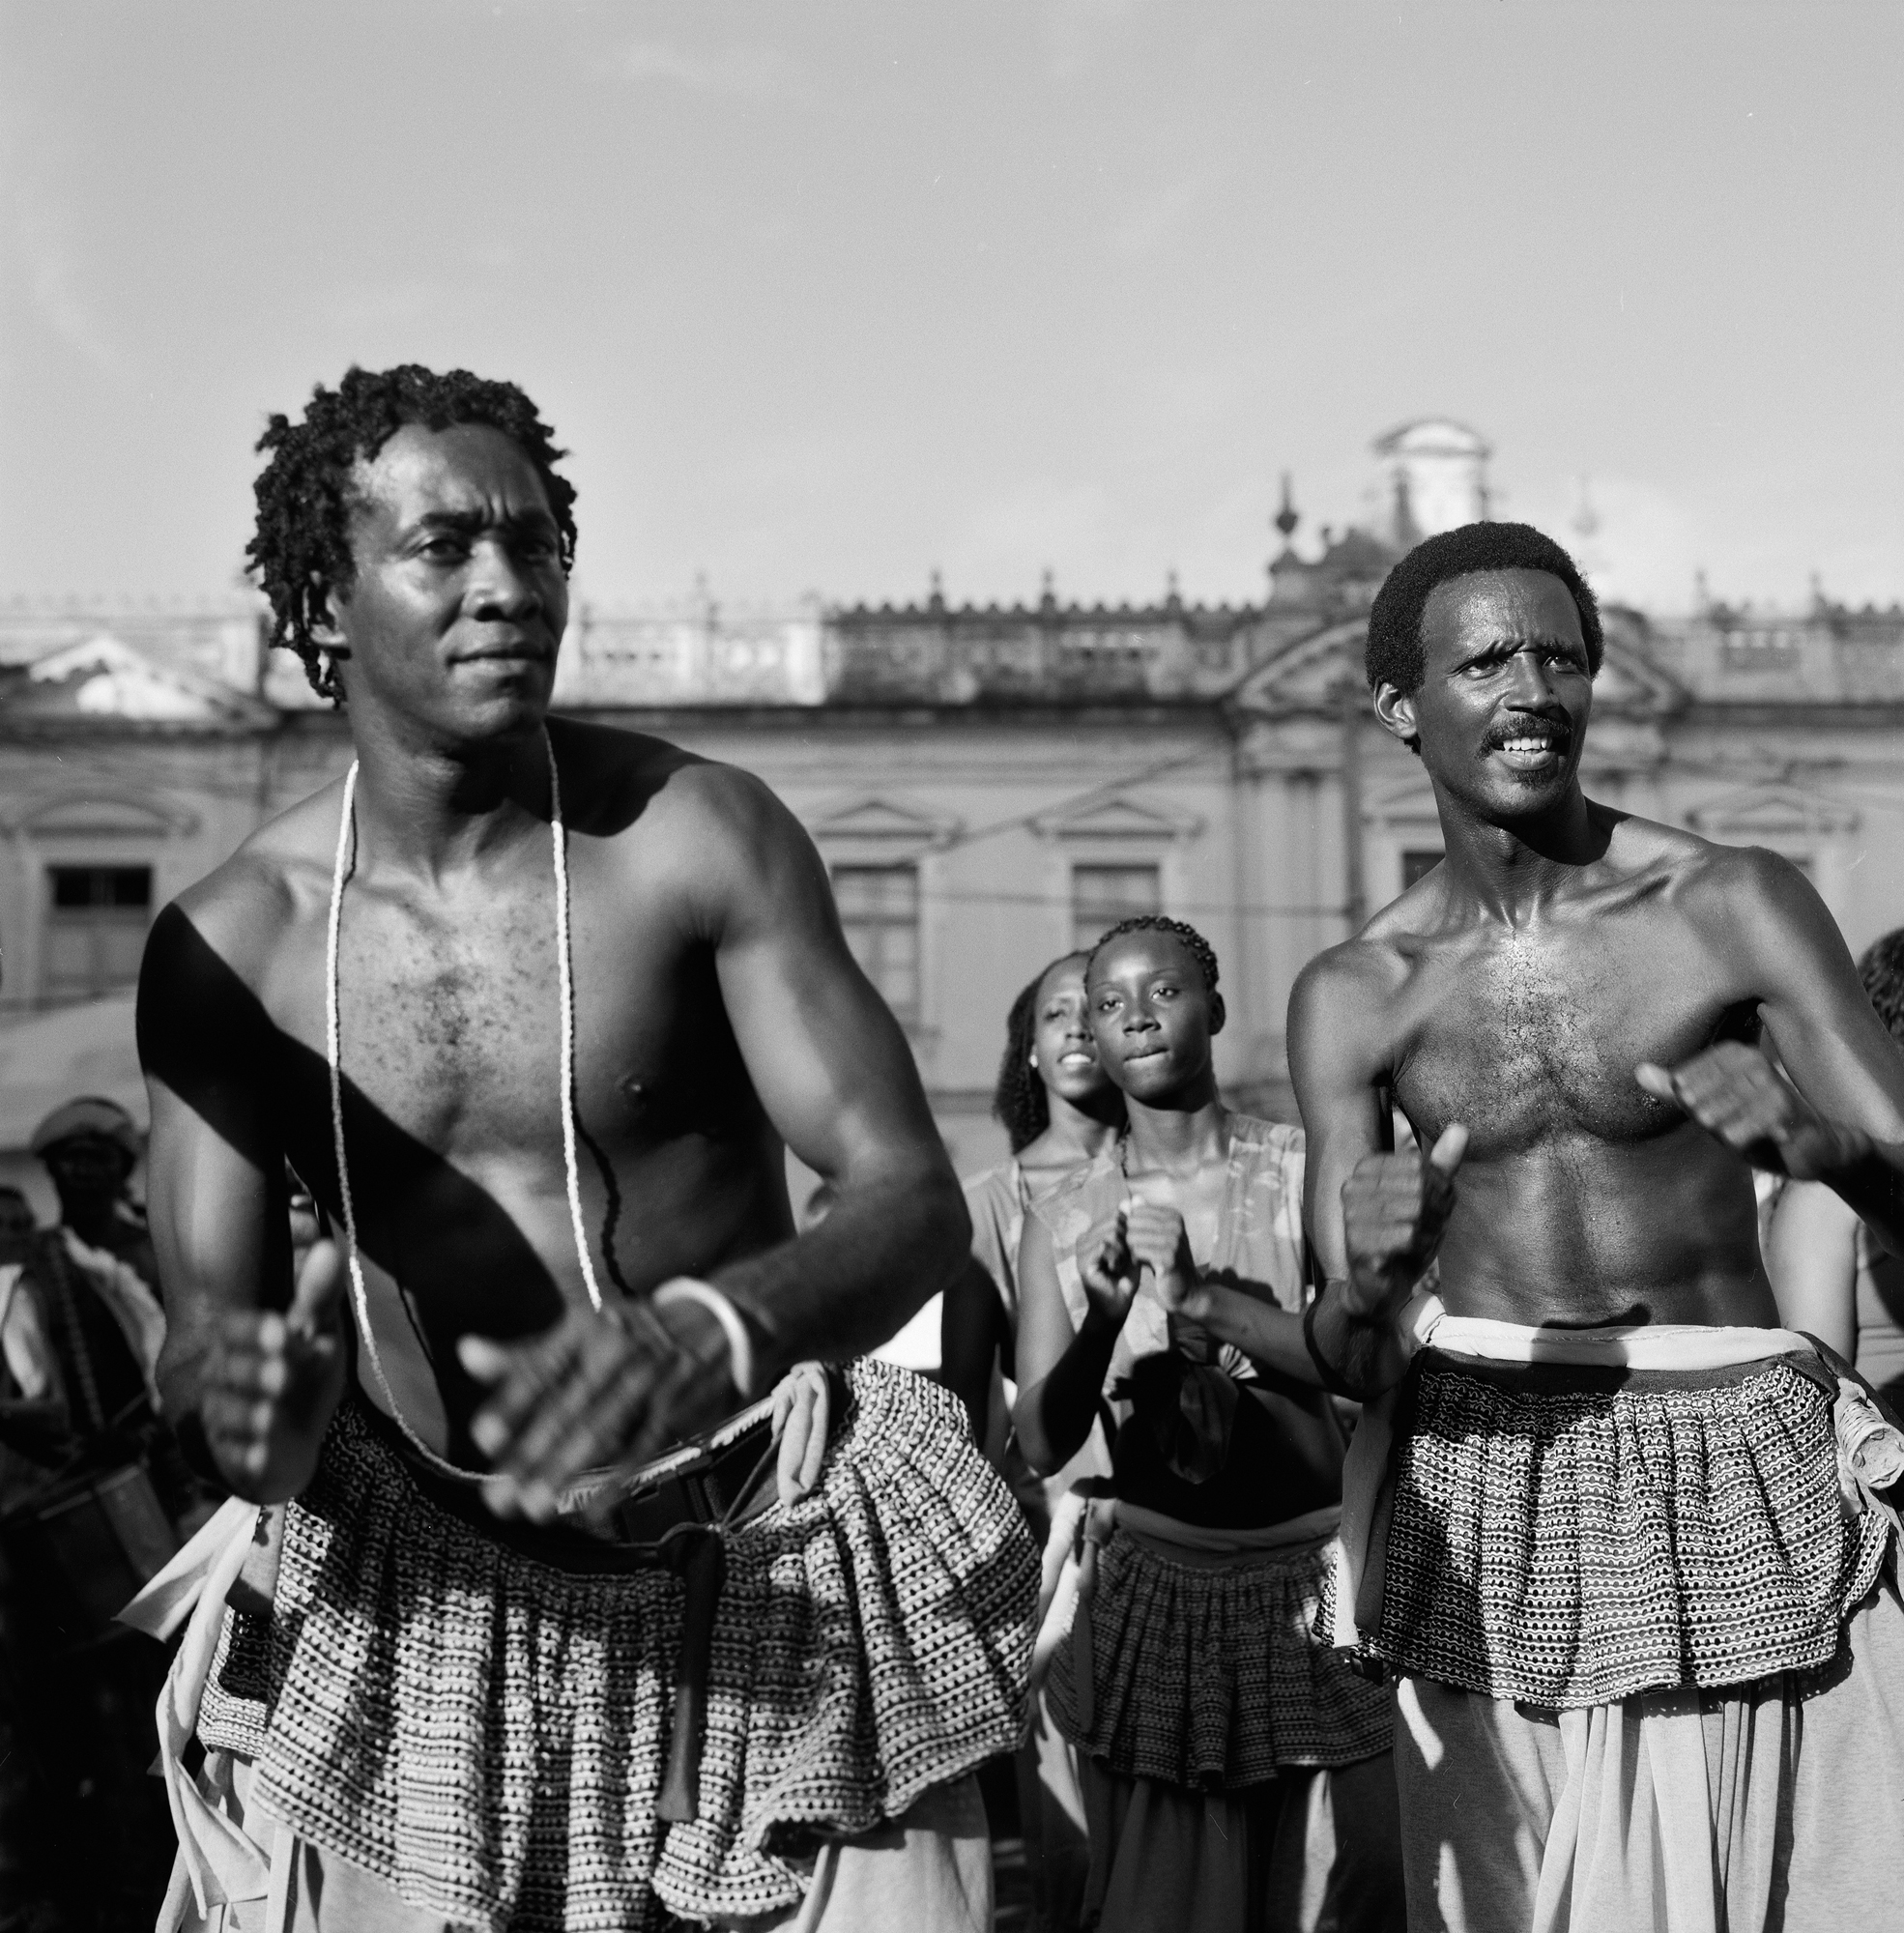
point(334, 1047)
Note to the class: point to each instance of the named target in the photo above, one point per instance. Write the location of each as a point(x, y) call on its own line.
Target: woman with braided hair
point(1058, 1107)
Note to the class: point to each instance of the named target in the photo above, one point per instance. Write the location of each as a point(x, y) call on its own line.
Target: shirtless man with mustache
point(1622, 1543)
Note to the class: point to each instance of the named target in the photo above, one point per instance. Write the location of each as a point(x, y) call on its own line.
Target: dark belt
point(678, 1524)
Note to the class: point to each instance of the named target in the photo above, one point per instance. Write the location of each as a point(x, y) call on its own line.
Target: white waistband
point(1661, 1345)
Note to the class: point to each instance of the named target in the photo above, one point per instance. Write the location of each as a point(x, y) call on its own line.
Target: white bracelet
point(705, 1295)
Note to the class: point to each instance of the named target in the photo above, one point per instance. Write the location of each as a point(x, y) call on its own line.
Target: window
point(1414, 864)
point(879, 909)
point(1103, 895)
point(96, 926)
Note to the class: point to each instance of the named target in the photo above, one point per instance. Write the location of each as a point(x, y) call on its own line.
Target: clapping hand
point(1109, 1271)
point(594, 1388)
point(271, 1381)
point(1159, 1243)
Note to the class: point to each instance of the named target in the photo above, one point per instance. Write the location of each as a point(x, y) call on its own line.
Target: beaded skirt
point(1570, 1537)
point(487, 1734)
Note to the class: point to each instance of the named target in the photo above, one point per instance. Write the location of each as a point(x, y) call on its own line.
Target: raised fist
point(271, 1381)
point(1736, 1094)
point(1157, 1243)
point(1395, 1208)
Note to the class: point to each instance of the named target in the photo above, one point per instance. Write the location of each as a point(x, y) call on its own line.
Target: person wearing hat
point(87, 1460)
point(97, 1267)
point(81, 1320)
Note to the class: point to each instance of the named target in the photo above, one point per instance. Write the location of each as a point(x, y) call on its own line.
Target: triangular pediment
point(85, 811)
point(1751, 813)
point(884, 819)
point(1307, 674)
point(1116, 818)
point(1311, 673)
point(105, 680)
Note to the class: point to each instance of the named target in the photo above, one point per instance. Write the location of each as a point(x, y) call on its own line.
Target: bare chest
point(1530, 1037)
point(450, 1019)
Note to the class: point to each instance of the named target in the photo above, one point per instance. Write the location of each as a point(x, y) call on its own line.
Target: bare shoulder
point(1734, 887)
point(1360, 976)
point(706, 840)
point(242, 908)
point(618, 783)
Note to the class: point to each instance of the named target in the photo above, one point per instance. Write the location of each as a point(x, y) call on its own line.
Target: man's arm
point(837, 1080)
point(1373, 1219)
point(971, 1334)
point(1840, 1117)
point(251, 1368)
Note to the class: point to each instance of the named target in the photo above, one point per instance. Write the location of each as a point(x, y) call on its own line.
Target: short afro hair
point(1195, 944)
point(1881, 968)
point(1394, 619)
point(302, 550)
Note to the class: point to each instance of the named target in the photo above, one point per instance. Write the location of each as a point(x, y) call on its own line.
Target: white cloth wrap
point(1637, 1792)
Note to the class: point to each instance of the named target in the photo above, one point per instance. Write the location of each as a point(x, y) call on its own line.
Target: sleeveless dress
point(999, 1199)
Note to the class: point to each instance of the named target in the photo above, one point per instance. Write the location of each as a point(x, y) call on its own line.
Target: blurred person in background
point(1237, 1774)
point(1833, 1280)
point(1058, 1108)
point(94, 1498)
point(96, 1270)
point(24, 1907)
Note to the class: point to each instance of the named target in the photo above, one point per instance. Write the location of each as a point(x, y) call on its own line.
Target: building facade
point(988, 786)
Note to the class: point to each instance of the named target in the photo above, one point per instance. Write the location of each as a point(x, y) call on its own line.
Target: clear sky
point(825, 292)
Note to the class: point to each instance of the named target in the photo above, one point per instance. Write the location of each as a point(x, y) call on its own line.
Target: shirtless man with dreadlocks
point(531, 1006)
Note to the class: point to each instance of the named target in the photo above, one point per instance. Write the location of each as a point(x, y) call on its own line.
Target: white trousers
point(929, 1871)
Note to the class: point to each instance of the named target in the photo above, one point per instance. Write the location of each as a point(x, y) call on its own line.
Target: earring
point(1032, 1063)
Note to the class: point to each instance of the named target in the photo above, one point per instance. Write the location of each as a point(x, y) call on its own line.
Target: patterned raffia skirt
point(487, 1733)
point(1206, 1670)
point(1570, 1537)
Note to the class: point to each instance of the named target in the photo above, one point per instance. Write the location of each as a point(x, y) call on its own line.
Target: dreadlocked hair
point(1881, 968)
point(302, 551)
point(1195, 946)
